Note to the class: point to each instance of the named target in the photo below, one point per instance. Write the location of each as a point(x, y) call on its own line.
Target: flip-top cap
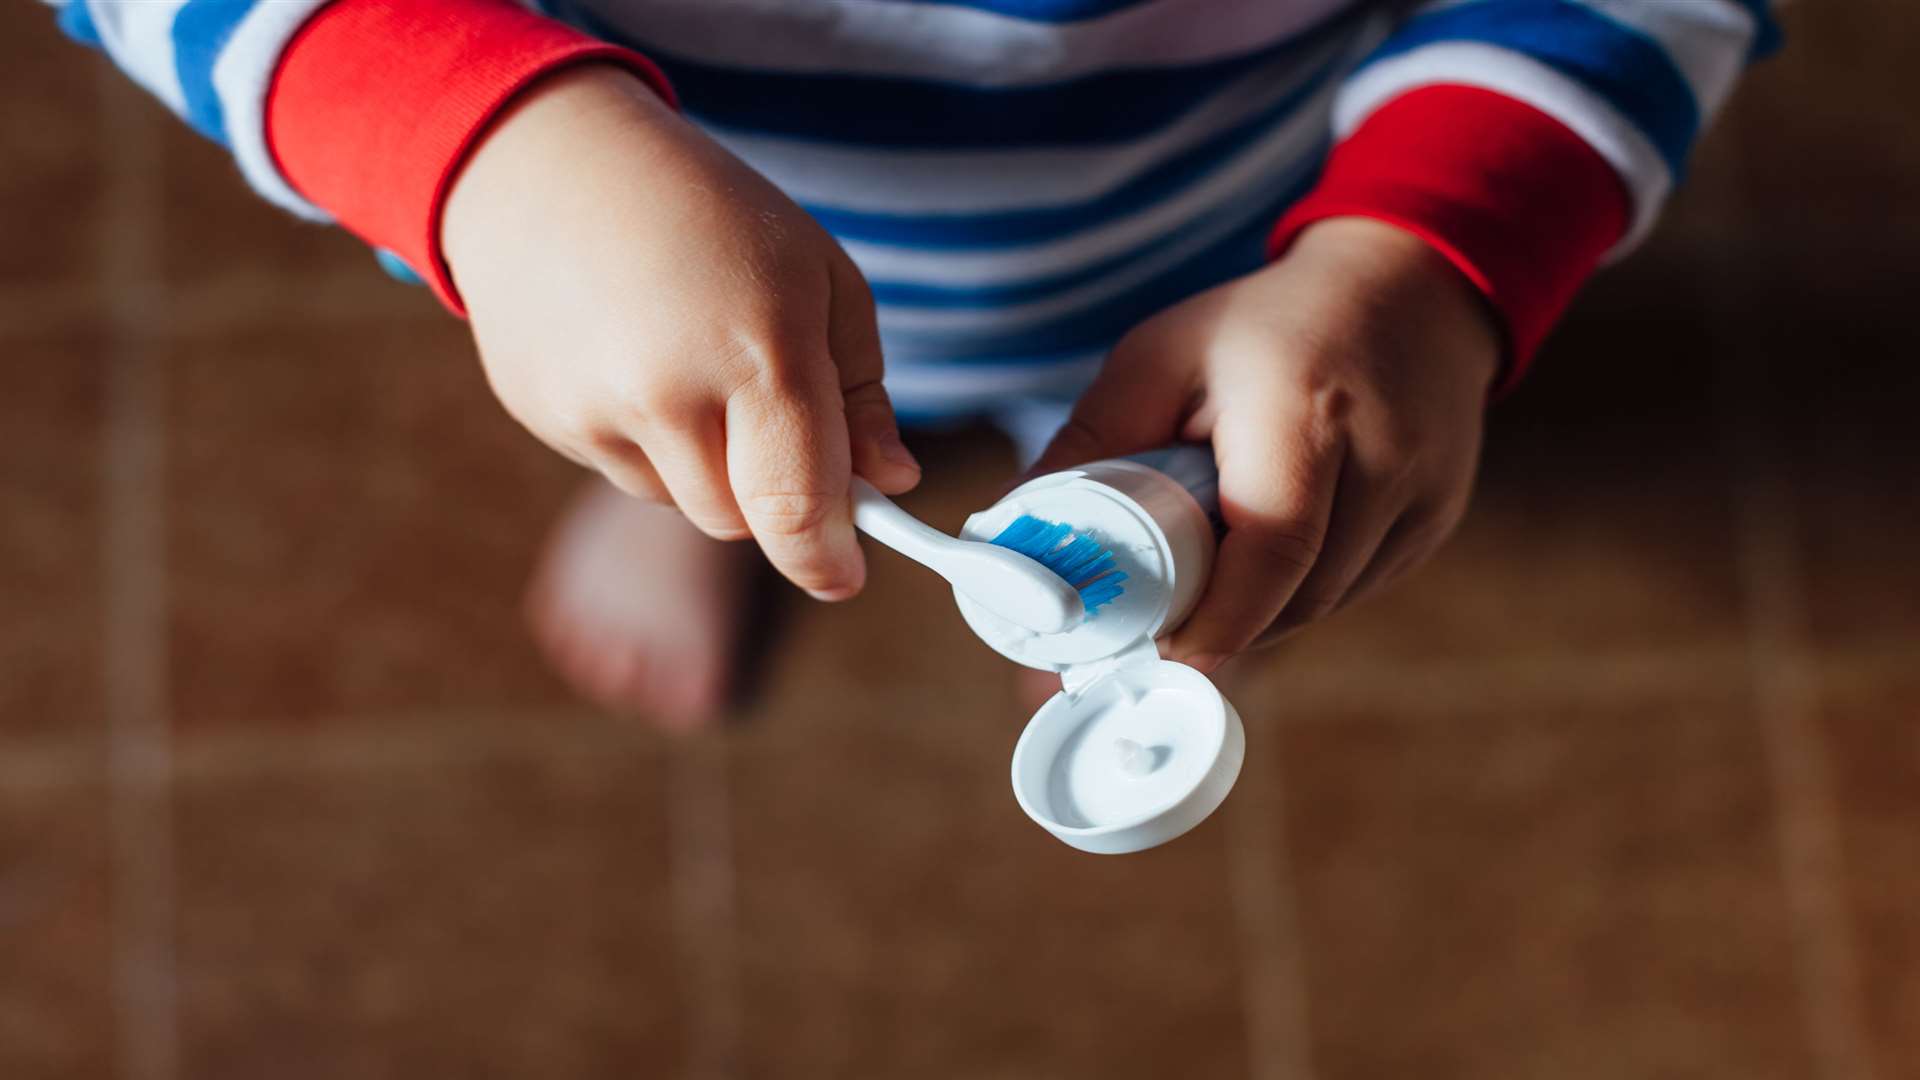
point(1129, 755)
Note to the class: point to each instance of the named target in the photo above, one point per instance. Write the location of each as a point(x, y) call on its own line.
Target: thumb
point(1138, 402)
point(873, 432)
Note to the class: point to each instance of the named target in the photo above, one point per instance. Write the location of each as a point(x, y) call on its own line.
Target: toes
point(633, 609)
point(618, 680)
point(693, 696)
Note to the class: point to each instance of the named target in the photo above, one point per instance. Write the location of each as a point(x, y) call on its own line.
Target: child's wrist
point(521, 163)
point(1398, 275)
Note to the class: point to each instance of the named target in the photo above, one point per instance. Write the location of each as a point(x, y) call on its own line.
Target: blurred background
point(1626, 784)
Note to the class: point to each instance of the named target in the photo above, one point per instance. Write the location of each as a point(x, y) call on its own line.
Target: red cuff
point(375, 104)
point(1518, 203)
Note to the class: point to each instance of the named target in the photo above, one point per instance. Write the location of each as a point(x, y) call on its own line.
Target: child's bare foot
point(640, 611)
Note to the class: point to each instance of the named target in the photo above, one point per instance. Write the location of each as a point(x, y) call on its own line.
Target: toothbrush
point(1013, 586)
point(1073, 556)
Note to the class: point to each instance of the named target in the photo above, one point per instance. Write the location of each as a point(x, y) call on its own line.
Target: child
point(1316, 233)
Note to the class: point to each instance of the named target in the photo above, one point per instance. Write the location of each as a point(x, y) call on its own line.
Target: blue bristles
point(1080, 560)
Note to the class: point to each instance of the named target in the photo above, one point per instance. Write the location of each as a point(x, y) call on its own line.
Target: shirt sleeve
point(210, 61)
point(1531, 140)
point(375, 104)
point(350, 111)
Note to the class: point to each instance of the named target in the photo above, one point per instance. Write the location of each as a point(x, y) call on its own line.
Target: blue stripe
point(1047, 11)
point(200, 34)
point(1102, 324)
point(920, 294)
point(1767, 39)
point(76, 22)
point(397, 268)
point(1620, 64)
point(1097, 109)
point(1150, 188)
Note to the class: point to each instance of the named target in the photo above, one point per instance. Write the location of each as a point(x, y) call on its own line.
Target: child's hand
point(649, 306)
point(1342, 388)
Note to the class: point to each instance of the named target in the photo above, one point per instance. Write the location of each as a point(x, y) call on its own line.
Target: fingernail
point(832, 596)
point(896, 451)
point(1207, 663)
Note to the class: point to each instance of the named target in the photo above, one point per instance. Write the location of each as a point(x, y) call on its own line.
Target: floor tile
point(51, 189)
point(52, 413)
point(352, 519)
point(1870, 728)
point(900, 917)
point(382, 912)
point(1840, 439)
point(1821, 396)
point(1823, 127)
point(1585, 886)
point(56, 963)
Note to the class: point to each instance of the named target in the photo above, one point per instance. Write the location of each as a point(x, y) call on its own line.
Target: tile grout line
point(704, 887)
point(428, 734)
point(1785, 679)
point(1786, 687)
point(1265, 911)
point(138, 737)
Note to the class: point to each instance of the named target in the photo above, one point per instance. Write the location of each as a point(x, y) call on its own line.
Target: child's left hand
point(1342, 388)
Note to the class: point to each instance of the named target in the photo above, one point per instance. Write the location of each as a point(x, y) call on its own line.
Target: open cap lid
point(1134, 751)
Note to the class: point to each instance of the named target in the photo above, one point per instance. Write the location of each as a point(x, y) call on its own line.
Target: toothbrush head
point(1078, 559)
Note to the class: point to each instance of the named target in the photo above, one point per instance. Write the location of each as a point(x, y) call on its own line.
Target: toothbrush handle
point(1007, 583)
point(878, 517)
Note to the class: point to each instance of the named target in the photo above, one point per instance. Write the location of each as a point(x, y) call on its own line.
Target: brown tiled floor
point(352, 520)
point(1839, 395)
point(53, 413)
point(1626, 784)
point(1872, 723)
point(54, 166)
point(396, 909)
point(1566, 886)
point(56, 967)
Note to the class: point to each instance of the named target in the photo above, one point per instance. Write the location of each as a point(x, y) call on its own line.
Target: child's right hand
point(649, 306)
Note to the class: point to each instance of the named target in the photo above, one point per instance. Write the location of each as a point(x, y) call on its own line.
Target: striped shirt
point(1022, 180)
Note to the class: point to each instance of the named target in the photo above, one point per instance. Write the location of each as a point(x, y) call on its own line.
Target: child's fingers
point(1412, 540)
point(1405, 544)
point(1356, 527)
point(874, 439)
point(788, 459)
point(628, 469)
point(1277, 481)
point(872, 430)
point(690, 456)
point(1136, 403)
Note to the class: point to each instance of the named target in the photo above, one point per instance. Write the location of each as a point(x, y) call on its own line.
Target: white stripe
point(241, 77)
point(953, 43)
point(1011, 318)
point(1249, 176)
point(956, 388)
point(139, 38)
point(1707, 40)
point(1586, 114)
point(934, 181)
